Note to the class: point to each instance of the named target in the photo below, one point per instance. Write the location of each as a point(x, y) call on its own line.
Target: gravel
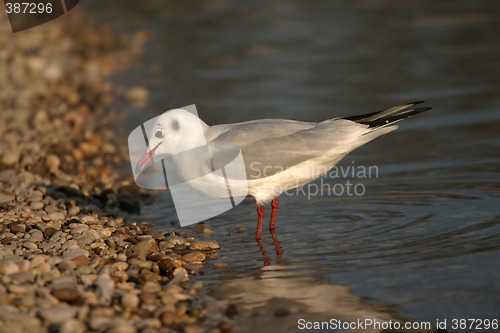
point(69, 262)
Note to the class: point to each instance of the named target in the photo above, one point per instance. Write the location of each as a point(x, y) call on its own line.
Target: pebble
point(89, 148)
point(120, 276)
point(37, 261)
point(100, 324)
point(49, 232)
point(36, 235)
point(168, 318)
point(24, 265)
point(13, 321)
point(151, 287)
point(72, 326)
point(204, 245)
point(63, 288)
point(165, 246)
point(57, 216)
point(58, 314)
point(193, 257)
point(11, 157)
point(175, 240)
point(15, 289)
point(8, 267)
point(143, 264)
point(88, 279)
point(146, 276)
point(17, 227)
point(240, 230)
point(73, 211)
point(53, 72)
point(122, 327)
point(143, 249)
point(75, 252)
point(106, 312)
point(120, 266)
point(105, 287)
point(181, 274)
point(78, 228)
point(69, 263)
point(57, 224)
point(41, 269)
point(80, 261)
point(130, 301)
point(22, 277)
point(52, 162)
point(148, 298)
point(4, 198)
point(193, 329)
point(88, 219)
point(30, 246)
point(105, 233)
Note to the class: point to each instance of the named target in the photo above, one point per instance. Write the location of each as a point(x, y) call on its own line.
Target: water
point(424, 240)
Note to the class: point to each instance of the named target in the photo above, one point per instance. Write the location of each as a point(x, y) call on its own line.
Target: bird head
point(175, 131)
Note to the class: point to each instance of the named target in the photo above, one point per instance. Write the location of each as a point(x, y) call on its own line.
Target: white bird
point(278, 154)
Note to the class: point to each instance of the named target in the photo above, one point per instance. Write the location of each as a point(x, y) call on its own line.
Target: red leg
point(277, 246)
point(267, 261)
point(258, 235)
point(260, 218)
point(274, 212)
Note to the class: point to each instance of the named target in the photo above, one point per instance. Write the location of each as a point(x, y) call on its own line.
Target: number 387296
point(28, 8)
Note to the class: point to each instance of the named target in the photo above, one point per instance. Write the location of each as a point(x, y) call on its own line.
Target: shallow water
point(425, 237)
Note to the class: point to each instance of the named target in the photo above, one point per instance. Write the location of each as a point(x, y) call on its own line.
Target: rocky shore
point(69, 262)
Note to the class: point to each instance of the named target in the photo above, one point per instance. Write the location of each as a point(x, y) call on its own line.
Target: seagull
point(278, 154)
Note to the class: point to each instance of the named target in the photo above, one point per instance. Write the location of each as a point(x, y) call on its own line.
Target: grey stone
point(22, 277)
point(105, 287)
point(73, 253)
point(57, 314)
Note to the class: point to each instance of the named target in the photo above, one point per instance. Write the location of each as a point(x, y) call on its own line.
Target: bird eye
point(159, 134)
point(175, 125)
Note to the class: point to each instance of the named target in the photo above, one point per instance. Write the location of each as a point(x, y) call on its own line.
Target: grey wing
point(267, 153)
point(248, 132)
point(226, 141)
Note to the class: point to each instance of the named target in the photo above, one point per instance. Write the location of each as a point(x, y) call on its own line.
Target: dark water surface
point(425, 236)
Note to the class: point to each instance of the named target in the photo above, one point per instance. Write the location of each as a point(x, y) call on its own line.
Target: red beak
point(146, 160)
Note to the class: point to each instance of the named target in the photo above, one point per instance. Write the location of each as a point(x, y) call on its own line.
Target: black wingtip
point(398, 116)
point(377, 119)
point(423, 109)
point(409, 113)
